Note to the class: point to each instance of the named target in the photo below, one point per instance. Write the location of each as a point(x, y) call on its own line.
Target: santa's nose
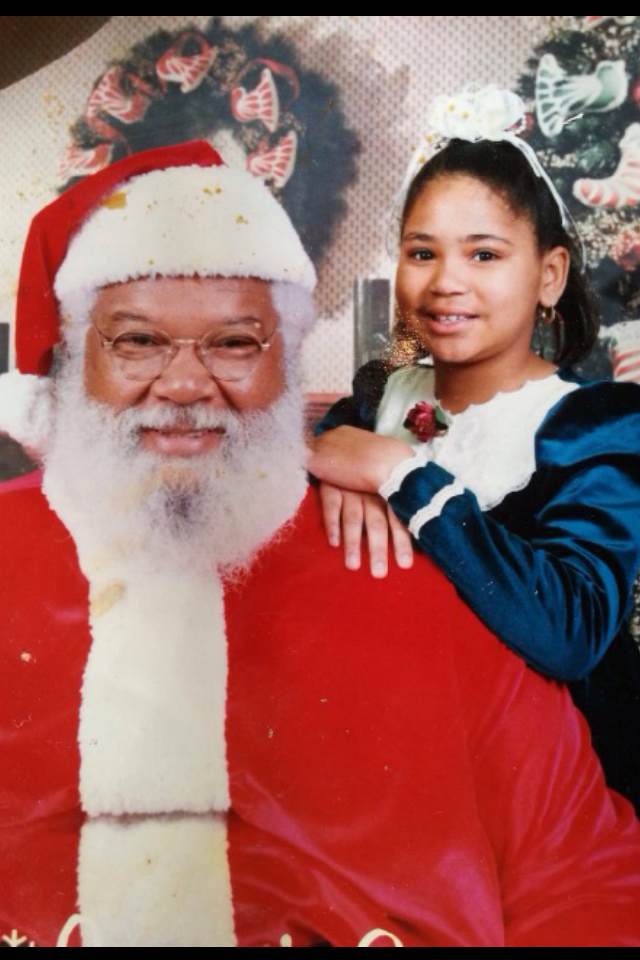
point(186, 380)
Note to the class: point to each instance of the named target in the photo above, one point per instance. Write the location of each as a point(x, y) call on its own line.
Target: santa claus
point(211, 734)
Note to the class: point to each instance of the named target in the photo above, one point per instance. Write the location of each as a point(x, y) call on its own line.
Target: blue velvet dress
point(530, 503)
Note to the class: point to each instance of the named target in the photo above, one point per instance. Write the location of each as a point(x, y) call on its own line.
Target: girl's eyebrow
point(474, 237)
point(426, 237)
point(470, 238)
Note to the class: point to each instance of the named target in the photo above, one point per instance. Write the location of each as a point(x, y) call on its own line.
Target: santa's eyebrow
point(136, 317)
point(248, 320)
point(237, 321)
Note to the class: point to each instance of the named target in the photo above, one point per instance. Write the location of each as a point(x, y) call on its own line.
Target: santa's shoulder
point(38, 559)
point(413, 614)
point(23, 507)
point(26, 519)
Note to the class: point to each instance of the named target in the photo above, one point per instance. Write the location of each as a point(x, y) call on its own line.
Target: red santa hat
point(171, 211)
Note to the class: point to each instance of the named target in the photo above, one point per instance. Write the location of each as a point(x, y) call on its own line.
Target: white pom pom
point(26, 410)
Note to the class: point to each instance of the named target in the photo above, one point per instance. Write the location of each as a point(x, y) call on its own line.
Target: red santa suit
point(285, 760)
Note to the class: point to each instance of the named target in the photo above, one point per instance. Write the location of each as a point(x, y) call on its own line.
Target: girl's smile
point(448, 324)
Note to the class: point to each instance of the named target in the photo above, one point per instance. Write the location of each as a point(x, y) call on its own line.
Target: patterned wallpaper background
point(385, 70)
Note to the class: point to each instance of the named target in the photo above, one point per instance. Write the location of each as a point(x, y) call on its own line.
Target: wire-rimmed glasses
point(227, 355)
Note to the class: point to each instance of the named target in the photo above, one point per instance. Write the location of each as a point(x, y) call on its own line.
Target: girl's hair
point(505, 169)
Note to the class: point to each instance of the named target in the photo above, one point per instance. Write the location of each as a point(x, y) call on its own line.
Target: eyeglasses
point(143, 355)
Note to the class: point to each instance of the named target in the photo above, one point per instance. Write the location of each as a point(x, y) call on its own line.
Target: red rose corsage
point(426, 421)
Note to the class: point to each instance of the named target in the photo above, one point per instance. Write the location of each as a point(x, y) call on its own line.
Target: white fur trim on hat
point(186, 221)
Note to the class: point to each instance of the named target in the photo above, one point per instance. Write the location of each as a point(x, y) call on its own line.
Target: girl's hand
point(355, 459)
point(346, 512)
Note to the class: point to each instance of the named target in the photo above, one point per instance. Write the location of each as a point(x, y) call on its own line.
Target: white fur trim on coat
point(186, 221)
point(155, 882)
point(152, 720)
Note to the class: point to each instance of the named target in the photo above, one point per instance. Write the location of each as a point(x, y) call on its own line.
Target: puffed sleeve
point(557, 588)
point(359, 410)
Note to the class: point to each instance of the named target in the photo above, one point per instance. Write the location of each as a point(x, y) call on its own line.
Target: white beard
point(214, 510)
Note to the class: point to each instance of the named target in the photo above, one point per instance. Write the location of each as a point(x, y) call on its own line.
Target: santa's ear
point(26, 411)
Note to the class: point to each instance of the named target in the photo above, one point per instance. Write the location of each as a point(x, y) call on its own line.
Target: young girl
point(520, 481)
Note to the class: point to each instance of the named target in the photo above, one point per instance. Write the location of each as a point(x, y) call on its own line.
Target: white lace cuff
point(435, 507)
point(401, 470)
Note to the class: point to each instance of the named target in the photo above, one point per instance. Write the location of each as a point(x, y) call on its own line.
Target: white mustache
point(170, 416)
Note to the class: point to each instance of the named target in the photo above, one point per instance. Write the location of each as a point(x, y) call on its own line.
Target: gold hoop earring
point(548, 315)
point(550, 333)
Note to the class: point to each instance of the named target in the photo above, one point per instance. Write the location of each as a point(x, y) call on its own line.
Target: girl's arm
point(558, 594)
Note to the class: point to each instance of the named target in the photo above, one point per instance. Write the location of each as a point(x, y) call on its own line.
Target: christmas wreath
point(248, 95)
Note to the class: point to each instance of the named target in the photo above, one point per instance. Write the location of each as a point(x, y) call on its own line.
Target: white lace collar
point(489, 447)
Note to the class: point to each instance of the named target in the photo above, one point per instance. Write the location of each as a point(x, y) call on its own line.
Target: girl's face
point(470, 275)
